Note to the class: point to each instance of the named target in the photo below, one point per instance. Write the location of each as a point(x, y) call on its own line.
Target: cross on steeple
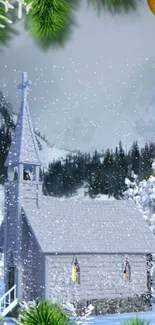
point(24, 86)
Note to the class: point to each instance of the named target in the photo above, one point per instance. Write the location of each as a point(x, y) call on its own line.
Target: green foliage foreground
point(135, 321)
point(43, 313)
point(50, 22)
point(48, 313)
point(47, 18)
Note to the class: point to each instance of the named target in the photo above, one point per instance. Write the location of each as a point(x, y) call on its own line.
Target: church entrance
point(11, 280)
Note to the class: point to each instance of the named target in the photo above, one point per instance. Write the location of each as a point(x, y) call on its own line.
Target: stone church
point(78, 250)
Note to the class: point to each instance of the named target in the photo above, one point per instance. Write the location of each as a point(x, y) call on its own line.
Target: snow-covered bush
point(143, 193)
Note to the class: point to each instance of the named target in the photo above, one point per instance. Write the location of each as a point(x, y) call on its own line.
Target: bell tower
point(23, 160)
point(22, 184)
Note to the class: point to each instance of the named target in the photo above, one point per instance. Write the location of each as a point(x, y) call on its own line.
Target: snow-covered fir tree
point(143, 193)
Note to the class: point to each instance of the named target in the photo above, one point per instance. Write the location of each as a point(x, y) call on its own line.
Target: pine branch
point(50, 22)
point(6, 27)
point(47, 18)
point(3, 18)
point(115, 6)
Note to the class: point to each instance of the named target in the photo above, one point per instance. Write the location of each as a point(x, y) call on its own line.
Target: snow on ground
point(115, 319)
point(104, 197)
point(81, 193)
point(49, 154)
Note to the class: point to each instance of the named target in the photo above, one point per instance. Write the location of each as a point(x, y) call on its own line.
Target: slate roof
point(89, 226)
point(24, 148)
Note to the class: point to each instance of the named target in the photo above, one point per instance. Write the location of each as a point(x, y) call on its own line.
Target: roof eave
point(32, 163)
point(15, 163)
point(97, 253)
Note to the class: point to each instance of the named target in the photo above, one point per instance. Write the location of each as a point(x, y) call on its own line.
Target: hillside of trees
point(101, 173)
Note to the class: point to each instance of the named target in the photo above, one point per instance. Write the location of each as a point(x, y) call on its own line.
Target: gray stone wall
point(101, 276)
point(136, 303)
point(33, 266)
point(111, 306)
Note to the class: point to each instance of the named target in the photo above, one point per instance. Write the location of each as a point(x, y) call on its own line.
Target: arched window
point(127, 271)
point(75, 271)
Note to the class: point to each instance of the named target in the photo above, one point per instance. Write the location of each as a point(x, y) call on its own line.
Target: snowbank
point(103, 197)
point(81, 193)
point(49, 154)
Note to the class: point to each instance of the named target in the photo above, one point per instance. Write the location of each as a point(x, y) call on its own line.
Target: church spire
point(24, 148)
point(24, 86)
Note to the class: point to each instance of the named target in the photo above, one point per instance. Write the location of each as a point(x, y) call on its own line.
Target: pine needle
point(47, 18)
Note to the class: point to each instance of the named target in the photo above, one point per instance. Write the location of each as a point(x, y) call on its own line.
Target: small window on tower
point(15, 173)
point(127, 271)
point(26, 175)
point(75, 272)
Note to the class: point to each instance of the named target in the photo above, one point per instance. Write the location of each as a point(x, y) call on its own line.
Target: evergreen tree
point(106, 176)
point(6, 113)
point(5, 141)
point(122, 168)
point(94, 180)
point(53, 179)
point(107, 173)
point(146, 160)
point(135, 158)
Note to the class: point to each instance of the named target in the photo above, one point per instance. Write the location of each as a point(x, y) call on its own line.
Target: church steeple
point(24, 150)
point(20, 188)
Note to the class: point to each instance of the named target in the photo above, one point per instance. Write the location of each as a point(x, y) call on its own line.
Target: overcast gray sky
point(94, 91)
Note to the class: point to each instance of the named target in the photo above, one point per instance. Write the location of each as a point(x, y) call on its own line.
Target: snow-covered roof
point(24, 148)
point(89, 226)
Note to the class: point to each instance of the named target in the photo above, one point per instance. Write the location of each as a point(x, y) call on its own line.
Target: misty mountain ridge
point(124, 114)
point(138, 103)
point(48, 152)
point(130, 117)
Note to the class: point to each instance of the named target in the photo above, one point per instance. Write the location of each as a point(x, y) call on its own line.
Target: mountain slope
point(137, 106)
point(49, 154)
